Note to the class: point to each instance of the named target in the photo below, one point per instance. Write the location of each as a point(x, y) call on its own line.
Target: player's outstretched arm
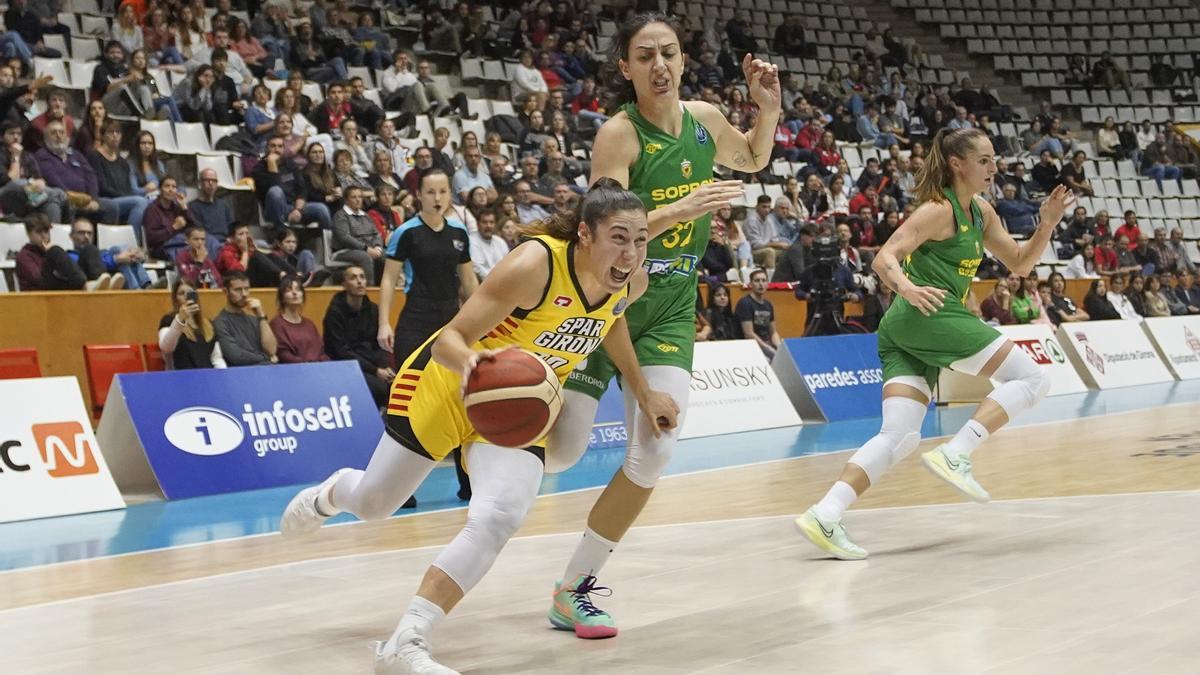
point(1021, 258)
point(517, 281)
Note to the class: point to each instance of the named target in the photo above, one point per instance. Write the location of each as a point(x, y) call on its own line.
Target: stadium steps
point(954, 54)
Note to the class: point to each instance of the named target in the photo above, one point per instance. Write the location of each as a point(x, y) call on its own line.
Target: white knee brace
point(505, 483)
point(899, 436)
point(1023, 383)
point(648, 456)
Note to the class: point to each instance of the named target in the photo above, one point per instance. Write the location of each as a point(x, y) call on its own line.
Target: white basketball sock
point(590, 555)
point(835, 502)
point(421, 617)
point(967, 439)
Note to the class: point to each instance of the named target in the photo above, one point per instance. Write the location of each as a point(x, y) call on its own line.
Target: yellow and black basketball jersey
point(425, 410)
point(563, 328)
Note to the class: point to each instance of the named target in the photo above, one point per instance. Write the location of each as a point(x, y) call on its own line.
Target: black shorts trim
point(399, 428)
point(537, 451)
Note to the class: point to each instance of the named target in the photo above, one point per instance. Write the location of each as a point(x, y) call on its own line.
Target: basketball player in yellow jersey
point(577, 275)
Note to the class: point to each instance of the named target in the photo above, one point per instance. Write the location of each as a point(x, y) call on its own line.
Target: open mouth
point(661, 84)
point(619, 276)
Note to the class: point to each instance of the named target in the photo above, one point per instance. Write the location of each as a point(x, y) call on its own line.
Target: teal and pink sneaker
point(573, 609)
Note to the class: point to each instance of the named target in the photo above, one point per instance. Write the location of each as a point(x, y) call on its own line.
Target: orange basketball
point(513, 399)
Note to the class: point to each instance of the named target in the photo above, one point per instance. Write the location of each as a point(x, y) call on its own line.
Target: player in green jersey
point(930, 262)
point(663, 150)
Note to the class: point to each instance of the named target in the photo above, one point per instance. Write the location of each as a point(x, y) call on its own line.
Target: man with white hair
point(67, 170)
point(783, 220)
point(1180, 250)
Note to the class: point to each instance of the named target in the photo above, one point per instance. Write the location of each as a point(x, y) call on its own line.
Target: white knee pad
point(504, 485)
point(569, 436)
point(899, 435)
point(1023, 383)
point(648, 456)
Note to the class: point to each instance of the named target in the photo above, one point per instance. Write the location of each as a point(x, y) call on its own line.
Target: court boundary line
point(722, 521)
point(597, 487)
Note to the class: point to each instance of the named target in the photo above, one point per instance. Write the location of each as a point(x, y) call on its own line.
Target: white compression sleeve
point(392, 476)
point(504, 484)
point(568, 439)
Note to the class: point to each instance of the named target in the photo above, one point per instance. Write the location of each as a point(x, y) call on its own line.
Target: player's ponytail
point(605, 197)
point(936, 174)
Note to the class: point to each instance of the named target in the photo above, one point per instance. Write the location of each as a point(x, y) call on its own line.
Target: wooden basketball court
point(1084, 563)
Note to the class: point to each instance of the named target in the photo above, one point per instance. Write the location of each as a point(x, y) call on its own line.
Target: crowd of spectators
point(352, 163)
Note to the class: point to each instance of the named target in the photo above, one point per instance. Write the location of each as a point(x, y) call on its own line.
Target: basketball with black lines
point(513, 398)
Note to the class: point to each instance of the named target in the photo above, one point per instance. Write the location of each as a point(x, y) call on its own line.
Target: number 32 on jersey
point(680, 234)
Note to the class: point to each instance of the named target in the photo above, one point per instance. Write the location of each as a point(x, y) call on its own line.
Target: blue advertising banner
point(608, 430)
point(214, 431)
point(842, 373)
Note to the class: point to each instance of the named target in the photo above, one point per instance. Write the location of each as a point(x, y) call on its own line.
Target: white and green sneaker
point(573, 609)
point(956, 471)
point(829, 537)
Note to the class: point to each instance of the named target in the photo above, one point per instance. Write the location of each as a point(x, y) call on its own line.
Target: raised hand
point(1055, 206)
point(762, 79)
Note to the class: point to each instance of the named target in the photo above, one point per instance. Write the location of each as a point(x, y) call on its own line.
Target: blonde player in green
point(930, 262)
point(664, 150)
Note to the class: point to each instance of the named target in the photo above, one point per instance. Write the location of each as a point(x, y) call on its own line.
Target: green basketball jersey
point(668, 169)
point(950, 264)
point(662, 321)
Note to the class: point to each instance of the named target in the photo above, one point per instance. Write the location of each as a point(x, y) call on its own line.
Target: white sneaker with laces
point(407, 654)
point(830, 537)
point(301, 517)
point(956, 471)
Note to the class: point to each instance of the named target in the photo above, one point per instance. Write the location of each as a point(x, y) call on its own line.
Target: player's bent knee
point(905, 447)
point(883, 451)
point(645, 463)
point(1023, 383)
point(497, 520)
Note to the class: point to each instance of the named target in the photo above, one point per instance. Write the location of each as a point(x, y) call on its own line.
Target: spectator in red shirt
point(868, 198)
point(553, 79)
point(240, 255)
point(194, 263)
point(786, 146)
point(810, 134)
point(586, 105)
point(384, 213)
point(56, 109)
point(296, 335)
point(827, 153)
point(1129, 229)
point(336, 106)
point(1106, 257)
